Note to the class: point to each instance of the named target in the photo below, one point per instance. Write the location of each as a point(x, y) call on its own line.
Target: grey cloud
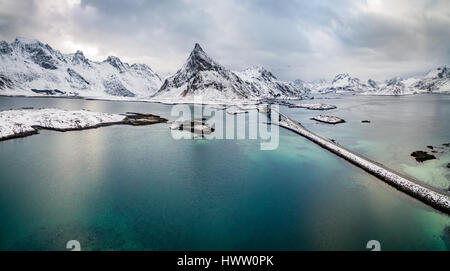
point(294, 39)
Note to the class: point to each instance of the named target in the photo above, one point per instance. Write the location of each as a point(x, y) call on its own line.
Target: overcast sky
point(293, 39)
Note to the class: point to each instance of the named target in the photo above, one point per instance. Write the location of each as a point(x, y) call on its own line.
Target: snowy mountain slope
point(202, 77)
point(344, 83)
point(269, 86)
point(341, 84)
point(27, 67)
point(436, 81)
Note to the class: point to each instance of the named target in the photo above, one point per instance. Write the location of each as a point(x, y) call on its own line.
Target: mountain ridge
point(30, 67)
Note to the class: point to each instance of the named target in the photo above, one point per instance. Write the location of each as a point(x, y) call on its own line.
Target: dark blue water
point(136, 188)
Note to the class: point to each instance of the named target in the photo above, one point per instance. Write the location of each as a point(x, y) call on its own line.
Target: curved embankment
point(427, 195)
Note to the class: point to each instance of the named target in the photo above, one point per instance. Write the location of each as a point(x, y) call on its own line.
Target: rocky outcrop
point(422, 156)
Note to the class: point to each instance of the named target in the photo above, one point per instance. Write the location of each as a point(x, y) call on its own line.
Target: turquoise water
point(399, 126)
point(136, 188)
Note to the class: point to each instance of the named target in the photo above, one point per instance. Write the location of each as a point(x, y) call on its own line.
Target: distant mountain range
point(29, 67)
point(436, 81)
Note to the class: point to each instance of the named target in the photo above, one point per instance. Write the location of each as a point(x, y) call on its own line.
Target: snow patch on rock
point(328, 119)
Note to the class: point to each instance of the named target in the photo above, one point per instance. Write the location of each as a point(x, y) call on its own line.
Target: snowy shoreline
point(438, 200)
point(316, 106)
point(18, 123)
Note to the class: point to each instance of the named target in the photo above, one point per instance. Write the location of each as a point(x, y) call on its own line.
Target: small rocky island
point(138, 119)
point(328, 119)
point(25, 122)
point(196, 127)
point(317, 106)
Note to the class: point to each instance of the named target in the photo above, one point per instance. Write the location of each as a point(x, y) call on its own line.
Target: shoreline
point(141, 100)
point(428, 195)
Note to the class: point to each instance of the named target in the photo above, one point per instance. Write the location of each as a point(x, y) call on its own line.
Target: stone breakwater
point(432, 197)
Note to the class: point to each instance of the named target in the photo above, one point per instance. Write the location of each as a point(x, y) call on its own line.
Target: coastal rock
point(234, 110)
point(430, 147)
point(422, 156)
point(328, 119)
point(448, 165)
point(48, 91)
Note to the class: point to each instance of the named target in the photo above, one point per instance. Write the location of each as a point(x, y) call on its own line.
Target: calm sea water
point(136, 188)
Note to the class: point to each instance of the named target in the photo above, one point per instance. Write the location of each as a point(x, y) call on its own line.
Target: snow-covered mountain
point(341, 84)
point(315, 87)
point(436, 81)
point(269, 86)
point(27, 66)
point(202, 77)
